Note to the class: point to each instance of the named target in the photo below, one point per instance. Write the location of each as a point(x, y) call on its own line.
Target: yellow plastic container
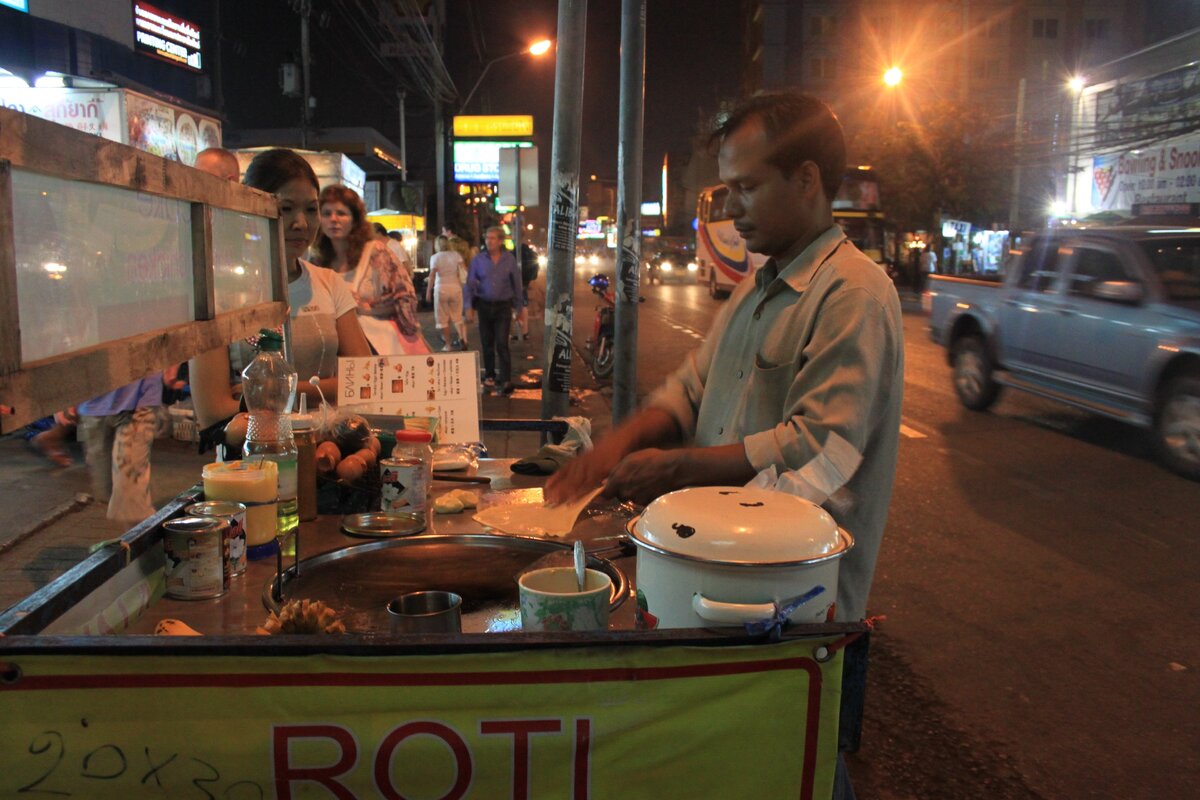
point(254, 483)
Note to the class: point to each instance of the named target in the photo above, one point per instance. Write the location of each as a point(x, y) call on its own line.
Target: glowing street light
point(893, 76)
point(540, 47)
point(1076, 83)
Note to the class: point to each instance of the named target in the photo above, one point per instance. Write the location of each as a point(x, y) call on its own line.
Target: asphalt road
point(1036, 591)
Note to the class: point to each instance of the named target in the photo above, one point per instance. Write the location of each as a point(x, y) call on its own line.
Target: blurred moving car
point(671, 265)
point(1104, 319)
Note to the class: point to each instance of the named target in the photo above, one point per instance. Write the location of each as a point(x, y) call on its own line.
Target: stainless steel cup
point(426, 612)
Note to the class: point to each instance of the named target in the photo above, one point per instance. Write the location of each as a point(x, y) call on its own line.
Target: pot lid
point(739, 525)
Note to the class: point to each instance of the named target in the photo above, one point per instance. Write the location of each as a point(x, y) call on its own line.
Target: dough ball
point(375, 445)
point(352, 468)
point(235, 431)
point(465, 496)
point(448, 504)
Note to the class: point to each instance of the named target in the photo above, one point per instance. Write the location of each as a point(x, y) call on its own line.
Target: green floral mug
point(551, 600)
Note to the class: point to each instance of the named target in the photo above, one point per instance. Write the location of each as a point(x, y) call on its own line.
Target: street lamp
point(538, 48)
point(893, 76)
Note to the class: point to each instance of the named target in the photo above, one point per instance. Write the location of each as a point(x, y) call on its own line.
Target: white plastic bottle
point(269, 389)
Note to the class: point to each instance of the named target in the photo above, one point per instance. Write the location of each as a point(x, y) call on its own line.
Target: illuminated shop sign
point(166, 36)
point(494, 126)
point(479, 162)
point(19, 5)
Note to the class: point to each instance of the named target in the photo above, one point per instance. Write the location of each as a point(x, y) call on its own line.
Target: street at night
point(342, 448)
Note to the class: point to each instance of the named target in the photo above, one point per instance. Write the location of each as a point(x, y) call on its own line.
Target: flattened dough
point(530, 519)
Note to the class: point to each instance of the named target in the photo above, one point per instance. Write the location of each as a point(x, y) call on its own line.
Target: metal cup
point(426, 612)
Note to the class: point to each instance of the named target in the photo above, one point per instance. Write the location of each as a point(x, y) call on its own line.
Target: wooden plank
point(203, 279)
point(10, 320)
point(41, 146)
point(43, 387)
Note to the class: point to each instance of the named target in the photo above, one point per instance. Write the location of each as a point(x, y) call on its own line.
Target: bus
point(857, 209)
point(721, 256)
point(721, 253)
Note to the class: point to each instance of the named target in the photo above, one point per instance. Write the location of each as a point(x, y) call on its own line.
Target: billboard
point(492, 127)
point(479, 161)
point(162, 35)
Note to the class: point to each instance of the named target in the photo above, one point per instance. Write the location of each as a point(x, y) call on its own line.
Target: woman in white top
point(324, 325)
point(446, 271)
point(382, 287)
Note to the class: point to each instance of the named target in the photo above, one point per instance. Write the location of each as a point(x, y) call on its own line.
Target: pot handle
point(730, 613)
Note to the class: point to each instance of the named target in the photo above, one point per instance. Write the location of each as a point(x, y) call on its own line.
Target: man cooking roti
point(803, 370)
point(800, 379)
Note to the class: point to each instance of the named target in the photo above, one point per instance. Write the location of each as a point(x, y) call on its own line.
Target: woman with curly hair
point(382, 287)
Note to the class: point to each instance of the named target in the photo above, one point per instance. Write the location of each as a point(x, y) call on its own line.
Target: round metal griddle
point(359, 581)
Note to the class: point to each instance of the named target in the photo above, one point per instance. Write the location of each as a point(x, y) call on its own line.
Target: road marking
point(911, 433)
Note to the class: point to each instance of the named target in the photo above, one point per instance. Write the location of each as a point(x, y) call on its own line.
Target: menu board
point(441, 385)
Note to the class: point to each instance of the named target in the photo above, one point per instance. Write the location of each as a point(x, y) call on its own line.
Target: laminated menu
point(441, 385)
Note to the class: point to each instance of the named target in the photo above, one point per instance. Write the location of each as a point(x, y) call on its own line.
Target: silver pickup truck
point(1105, 319)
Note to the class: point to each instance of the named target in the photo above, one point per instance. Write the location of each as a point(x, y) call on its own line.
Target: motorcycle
point(600, 345)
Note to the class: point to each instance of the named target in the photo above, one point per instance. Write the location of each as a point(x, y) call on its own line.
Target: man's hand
point(471, 315)
point(645, 475)
point(581, 474)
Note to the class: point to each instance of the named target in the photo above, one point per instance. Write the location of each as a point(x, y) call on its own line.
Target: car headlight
point(594, 259)
point(580, 260)
point(693, 266)
point(542, 261)
point(667, 266)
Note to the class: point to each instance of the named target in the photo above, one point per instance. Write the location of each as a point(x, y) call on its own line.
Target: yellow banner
point(729, 722)
point(504, 126)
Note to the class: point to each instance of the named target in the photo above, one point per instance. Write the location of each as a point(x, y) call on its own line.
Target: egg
point(368, 457)
point(351, 468)
point(328, 456)
point(375, 445)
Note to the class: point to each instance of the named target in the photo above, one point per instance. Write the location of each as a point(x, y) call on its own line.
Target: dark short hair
point(801, 128)
point(379, 229)
point(272, 169)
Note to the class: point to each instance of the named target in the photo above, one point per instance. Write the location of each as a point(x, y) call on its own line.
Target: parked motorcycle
point(600, 346)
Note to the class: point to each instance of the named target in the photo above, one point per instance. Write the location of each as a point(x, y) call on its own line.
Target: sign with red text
point(631, 722)
point(166, 36)
point(442, 385)
point(1164, 173)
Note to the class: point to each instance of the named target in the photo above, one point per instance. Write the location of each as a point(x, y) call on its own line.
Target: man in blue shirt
point(494, 291)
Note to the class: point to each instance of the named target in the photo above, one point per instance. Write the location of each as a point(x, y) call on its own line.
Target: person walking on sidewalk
point(494, 291)
point(445, 290)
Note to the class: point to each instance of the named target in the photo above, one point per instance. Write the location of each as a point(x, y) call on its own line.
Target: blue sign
point(19, 5)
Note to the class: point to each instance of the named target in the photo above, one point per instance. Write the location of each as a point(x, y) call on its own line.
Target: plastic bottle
point(269, 388)
point(306, 462)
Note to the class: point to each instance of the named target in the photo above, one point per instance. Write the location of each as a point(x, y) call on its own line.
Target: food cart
point(95, 704)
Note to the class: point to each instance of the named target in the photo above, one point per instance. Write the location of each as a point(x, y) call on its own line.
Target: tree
point(946, 160)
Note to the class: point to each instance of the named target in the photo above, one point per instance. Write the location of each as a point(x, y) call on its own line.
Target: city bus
point(721, 253)
point(721, 256)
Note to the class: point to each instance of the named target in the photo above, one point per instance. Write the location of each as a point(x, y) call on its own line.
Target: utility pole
point(564, 206)
point(306, 94)
point(401, 95)
point(439, 121)
point(1014, 204)
point(629, 205)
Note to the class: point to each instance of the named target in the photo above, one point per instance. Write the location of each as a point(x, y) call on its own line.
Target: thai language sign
point(647, 722)
point(1165, 173)
point(442, 385)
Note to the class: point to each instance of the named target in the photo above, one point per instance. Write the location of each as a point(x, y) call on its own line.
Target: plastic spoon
point(580, 564)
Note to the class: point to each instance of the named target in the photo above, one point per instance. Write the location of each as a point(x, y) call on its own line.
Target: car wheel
point(974, 379)
point(602, 364)
point(1177, 426)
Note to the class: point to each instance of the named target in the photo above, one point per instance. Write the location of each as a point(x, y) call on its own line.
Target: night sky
point(692, 62)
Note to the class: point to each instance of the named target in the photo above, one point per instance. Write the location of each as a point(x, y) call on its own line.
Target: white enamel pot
point(728, 555)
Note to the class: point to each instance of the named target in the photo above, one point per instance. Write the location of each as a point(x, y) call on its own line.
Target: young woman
point(324, 322)
point(445, 290)
point(382, 287)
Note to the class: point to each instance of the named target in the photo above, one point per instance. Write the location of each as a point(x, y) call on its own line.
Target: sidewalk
point(52, 520)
